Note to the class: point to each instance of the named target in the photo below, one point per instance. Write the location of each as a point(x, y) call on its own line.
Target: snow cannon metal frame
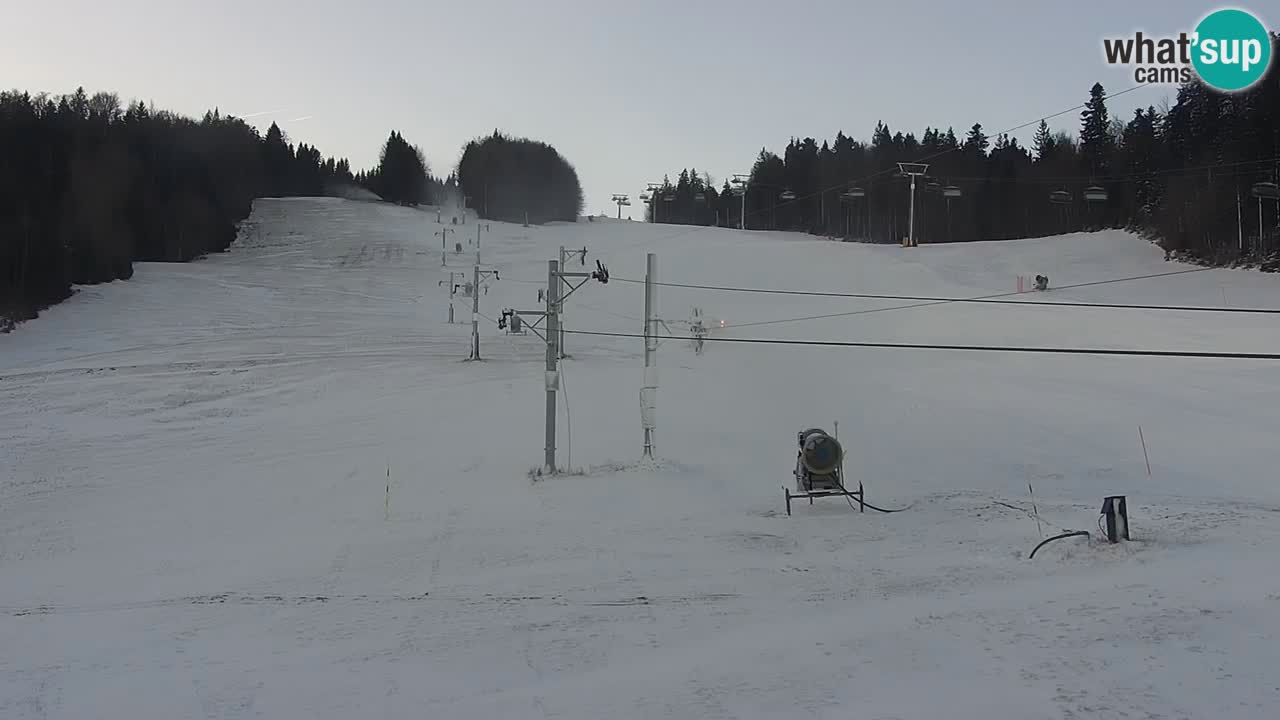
point(818, 473)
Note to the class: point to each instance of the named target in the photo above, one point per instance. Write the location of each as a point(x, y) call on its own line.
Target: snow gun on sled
point(820, 470)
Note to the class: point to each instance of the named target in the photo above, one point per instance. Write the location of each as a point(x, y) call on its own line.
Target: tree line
point(1185, 175)
point(87, 187)
point(401, 175)
point(519, 180)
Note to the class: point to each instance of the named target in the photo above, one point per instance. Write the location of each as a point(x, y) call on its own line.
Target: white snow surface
point(194, 517)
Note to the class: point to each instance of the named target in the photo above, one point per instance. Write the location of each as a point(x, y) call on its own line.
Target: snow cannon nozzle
point(820, 453)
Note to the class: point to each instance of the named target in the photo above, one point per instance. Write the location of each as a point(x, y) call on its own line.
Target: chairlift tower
point(854, 193)
point(1063, 199)
point(1093, 195)
point(740, 183)
point(651, 196)
point(914, 170)
point(621, 200)
point(950, 192)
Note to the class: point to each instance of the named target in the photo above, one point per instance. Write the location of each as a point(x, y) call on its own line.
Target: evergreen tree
point(401, 176)
point(976, 142)
point(1043, 142)
point(1096, 143)
point(514, 178)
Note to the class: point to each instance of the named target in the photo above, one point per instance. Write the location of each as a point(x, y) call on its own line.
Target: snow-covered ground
point(194, 519)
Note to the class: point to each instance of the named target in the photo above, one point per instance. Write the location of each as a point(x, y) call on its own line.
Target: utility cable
point(972, 348)
point(943, 301)
point(982, 299)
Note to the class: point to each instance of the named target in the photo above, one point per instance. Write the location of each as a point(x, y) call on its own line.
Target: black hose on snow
point(879, 509)
point(1046, 541)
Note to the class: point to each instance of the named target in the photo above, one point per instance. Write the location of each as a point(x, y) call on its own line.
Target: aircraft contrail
point(264, 112)
point(300, 119)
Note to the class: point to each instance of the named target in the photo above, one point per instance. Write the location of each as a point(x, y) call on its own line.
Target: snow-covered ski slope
point(194, 517)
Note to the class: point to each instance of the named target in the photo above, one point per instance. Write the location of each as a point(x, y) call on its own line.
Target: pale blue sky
point(626, 91)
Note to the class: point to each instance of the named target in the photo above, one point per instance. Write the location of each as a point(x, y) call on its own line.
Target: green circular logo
point(1232, 50)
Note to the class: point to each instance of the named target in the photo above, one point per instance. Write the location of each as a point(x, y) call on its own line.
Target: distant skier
point(1042, 282)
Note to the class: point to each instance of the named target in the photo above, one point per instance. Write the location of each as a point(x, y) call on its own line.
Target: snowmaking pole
point(475, 309)
point(649, 391)
point(560, 340)
point(476, 275)
point(553, 356)
point(444, 243)
point(551, 314)
point(565, 255)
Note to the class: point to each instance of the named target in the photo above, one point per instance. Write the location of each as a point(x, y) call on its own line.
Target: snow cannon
point(820, 454)
point(820, 469)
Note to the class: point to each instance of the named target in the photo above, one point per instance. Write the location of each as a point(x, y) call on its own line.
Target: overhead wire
point(982, 299)
point(851, 313)
point(971, 348)
point(993, 298)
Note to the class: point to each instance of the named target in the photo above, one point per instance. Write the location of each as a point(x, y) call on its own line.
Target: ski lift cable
point(1113, 179)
